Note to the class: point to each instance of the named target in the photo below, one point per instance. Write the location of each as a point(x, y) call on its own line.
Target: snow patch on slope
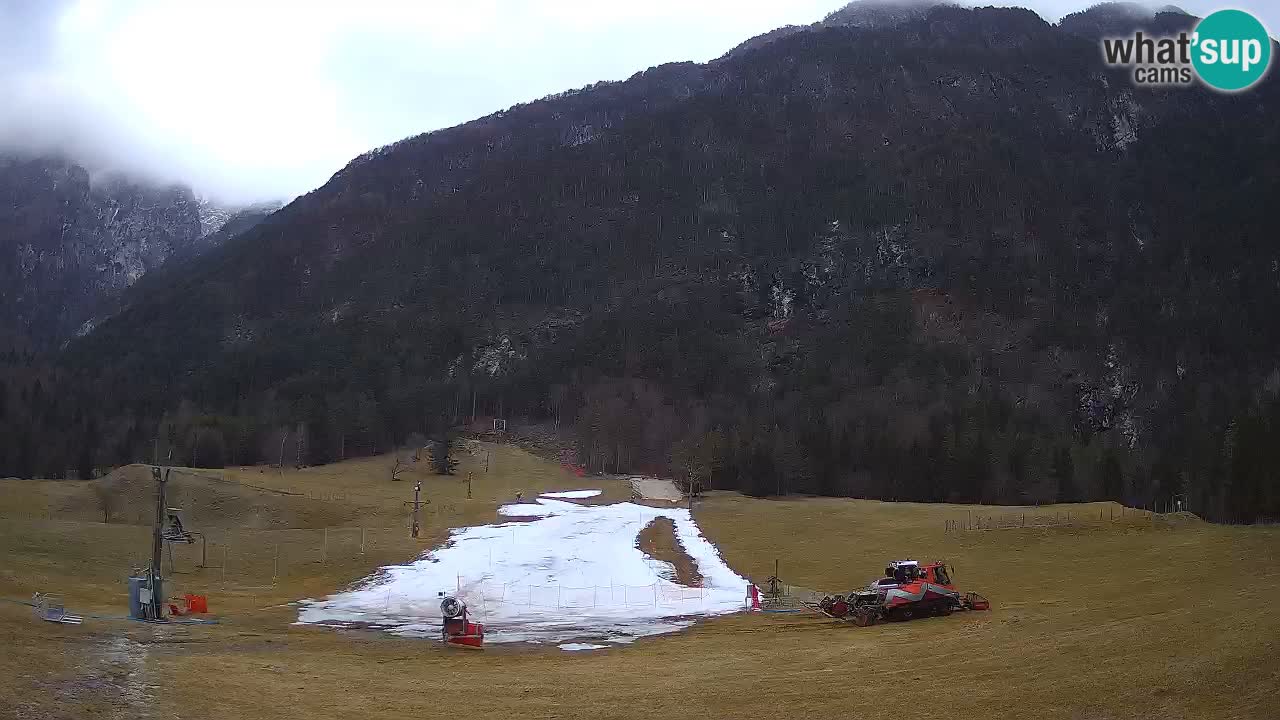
point(572, 494)
point(574, 574)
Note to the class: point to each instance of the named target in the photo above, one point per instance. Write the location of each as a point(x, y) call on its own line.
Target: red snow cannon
point(457, 629)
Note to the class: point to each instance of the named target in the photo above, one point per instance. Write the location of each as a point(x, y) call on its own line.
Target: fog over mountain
point(249, 101)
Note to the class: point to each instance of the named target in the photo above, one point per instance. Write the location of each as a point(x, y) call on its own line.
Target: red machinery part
point(464, 633)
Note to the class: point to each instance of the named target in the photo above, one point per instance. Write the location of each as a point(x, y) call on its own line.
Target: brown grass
point(1107, 620)
point(658, 540)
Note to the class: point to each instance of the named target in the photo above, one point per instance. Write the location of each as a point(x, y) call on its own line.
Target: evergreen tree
point(84, 462)
point(1063, 472)
point(1111, 476)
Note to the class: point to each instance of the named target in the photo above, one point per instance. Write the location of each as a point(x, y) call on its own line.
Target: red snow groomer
point(908, 590)
point(457, 630)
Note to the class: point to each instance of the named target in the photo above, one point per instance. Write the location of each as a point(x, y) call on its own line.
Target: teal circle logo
point(1231, 50)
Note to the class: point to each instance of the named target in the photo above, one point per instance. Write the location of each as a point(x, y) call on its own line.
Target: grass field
point(1124, 619)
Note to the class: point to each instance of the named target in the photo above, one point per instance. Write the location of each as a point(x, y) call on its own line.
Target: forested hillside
point(950, 259)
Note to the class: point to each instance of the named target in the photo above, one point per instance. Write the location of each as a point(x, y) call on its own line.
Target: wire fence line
point(265, 557)
point(480, 596)
point(1009, 521)
point(1075, 518)
point(584, 596)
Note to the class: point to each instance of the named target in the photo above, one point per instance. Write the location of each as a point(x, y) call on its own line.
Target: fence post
point(362, 542)
point(275, 569)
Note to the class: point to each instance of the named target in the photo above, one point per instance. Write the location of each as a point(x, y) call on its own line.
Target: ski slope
point(572, 494)
point(568, 573)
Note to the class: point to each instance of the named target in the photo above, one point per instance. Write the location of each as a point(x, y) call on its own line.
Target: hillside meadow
point(1136, 617)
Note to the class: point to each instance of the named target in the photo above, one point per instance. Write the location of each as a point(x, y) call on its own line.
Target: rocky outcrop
point(71, 241)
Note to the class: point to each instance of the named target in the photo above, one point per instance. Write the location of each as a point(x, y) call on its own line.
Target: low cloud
point(257, 100)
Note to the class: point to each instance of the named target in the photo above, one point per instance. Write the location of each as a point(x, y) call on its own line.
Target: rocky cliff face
point(70, 243)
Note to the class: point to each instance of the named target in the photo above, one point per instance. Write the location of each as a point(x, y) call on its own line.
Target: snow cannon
point(457, 630)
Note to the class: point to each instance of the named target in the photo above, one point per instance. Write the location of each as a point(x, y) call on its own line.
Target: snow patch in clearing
point(524, 510)
point(652, 488)
point(572, 494)
point(573, 647)
point(573, 574)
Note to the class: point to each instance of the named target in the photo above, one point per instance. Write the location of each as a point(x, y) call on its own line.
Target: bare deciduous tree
point(414, 445)
point(107, 498)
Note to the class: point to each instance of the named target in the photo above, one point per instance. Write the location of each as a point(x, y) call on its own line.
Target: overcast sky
point(250, 100)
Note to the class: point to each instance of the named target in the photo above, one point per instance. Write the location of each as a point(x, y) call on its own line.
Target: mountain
point(876, 14)
point(869, 14)
point(71, 242)
point(1116, 19)
point(954, 258)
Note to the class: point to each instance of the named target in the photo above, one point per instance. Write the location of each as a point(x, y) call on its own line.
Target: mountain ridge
point(939, 260)
point(76, 240)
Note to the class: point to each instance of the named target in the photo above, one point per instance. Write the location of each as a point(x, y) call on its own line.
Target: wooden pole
point(157, 544)
point(282, 442)
point(417, 488)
